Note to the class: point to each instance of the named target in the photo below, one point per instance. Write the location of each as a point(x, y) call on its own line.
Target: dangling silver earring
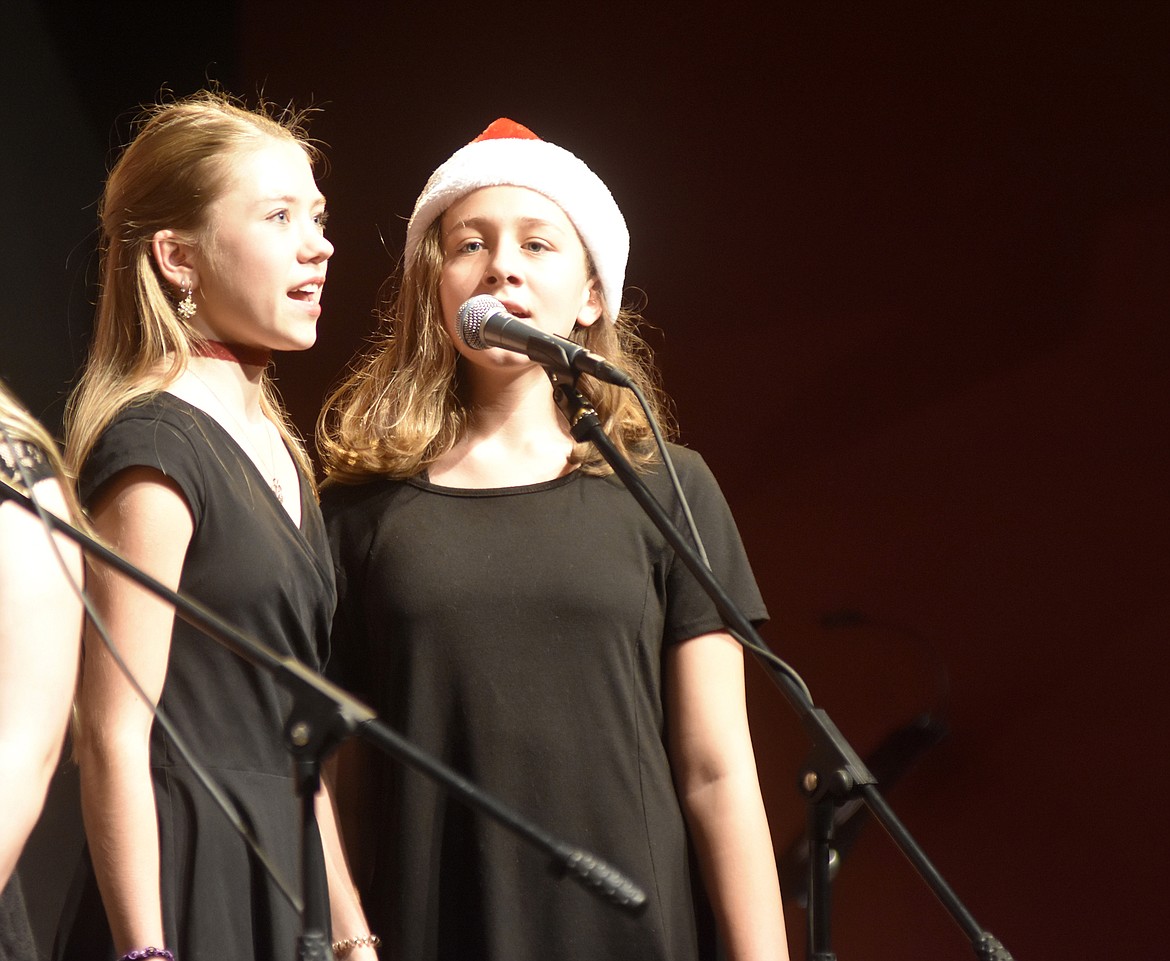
point(186, 306)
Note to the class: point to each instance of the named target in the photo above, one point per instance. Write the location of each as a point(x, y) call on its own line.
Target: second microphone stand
point(833, 773)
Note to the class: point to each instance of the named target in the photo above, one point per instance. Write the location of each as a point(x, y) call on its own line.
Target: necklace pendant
point(277, 489)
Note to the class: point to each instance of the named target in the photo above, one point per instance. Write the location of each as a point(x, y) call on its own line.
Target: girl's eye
point(321, 219)
point(536, 246)
point(471, 247)
point(281, 216)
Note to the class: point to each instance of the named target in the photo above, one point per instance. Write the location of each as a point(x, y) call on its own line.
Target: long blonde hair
point(400, 408)
point(178, 163)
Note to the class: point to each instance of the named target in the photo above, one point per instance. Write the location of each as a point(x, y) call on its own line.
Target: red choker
point(251, 356)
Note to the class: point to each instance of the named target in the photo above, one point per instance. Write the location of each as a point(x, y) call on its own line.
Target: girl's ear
point(590, 311)
point(174, 259)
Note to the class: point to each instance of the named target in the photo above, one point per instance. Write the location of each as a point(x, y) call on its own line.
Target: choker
point(218, 350)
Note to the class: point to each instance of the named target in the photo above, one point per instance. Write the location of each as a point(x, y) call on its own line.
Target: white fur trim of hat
point(509, 154)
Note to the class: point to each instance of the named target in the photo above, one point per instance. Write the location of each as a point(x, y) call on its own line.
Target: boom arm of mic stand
point(322, 716)
point(834, 772)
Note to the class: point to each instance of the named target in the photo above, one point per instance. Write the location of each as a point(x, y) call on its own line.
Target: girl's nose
point(321, 248)
point(503, 268)
point(317, 247)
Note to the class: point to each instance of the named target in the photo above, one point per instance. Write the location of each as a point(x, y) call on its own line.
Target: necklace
point(241, 354)
point(270, 467)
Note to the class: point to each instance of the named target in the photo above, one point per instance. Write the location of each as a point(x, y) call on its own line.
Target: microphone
point(483, 322)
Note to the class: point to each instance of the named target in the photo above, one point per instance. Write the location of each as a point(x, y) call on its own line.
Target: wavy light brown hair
point(400, 407)
point(179, 161)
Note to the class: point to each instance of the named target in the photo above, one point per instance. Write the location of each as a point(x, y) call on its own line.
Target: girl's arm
point(344, 904)
point(40, 634)
point(715, 774)
point(143, 516)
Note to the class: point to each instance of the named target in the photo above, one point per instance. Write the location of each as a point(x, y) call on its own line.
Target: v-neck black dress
point(518, 634)
point(252, 566)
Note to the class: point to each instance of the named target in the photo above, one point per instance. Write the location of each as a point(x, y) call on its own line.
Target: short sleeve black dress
point(250, 564)
point(518, 634)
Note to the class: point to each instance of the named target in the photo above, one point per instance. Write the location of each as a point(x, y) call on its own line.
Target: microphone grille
point(471, 319)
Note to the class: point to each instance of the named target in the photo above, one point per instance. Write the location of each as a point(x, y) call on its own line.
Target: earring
point(186, 306)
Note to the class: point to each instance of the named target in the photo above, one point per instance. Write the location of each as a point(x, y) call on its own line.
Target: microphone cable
point(760, 651)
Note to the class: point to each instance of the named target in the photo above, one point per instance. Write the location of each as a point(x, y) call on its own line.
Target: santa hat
point(508, 153)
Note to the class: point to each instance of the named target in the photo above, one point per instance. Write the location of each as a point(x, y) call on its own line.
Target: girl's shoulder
point(342, 500)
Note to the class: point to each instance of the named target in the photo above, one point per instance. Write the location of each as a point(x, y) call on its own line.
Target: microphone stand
point(322, 716)
point(888, 762)
point(833, 773)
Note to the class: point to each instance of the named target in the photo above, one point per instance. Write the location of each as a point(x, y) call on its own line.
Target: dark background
point(905, 268)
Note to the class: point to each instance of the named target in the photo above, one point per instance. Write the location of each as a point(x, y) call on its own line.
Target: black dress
point(252, 566)
point(518, 634)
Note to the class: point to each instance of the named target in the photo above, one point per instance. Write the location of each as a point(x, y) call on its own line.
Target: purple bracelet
point(140, 953)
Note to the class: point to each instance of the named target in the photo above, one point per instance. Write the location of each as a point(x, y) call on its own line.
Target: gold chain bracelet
point(342, 948)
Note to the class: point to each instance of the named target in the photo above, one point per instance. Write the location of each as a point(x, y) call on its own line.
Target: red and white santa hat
point(510, 154)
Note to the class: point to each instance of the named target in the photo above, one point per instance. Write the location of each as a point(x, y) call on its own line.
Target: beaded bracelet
point(342, 948)
point(151, 952)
